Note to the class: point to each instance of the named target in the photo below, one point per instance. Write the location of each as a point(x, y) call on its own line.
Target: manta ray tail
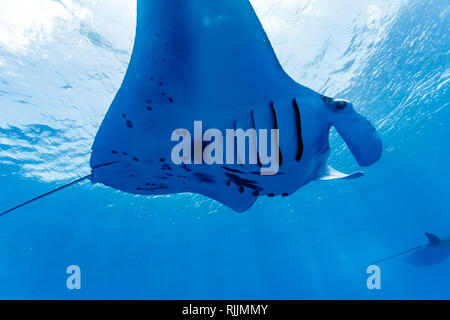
point(397, 255)
point(46, 194)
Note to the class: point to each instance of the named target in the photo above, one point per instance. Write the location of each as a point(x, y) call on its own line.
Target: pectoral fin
point(433, 239)
point(328, 173)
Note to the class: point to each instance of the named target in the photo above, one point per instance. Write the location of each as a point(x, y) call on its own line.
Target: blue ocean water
point(61, 63)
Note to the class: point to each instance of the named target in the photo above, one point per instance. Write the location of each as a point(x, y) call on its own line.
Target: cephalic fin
point(358, 133)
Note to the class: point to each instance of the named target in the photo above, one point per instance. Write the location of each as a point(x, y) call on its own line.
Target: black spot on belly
point(114, 152)
point(241, 189)
point(285, 194)
point(163, 94)
point(153, 189)
point(162, 160)
point(256, 193)
point(185, 168)
point(271, 195)
point(149, 108)
point(299, 130)
point(233, 170)
point(104, 165)
point(136, 159)
point(124, 115)
point(241, 182)
point(170, 99)
point(204, 177)
point(275, 124)
point(129, 124)
point(125, 153)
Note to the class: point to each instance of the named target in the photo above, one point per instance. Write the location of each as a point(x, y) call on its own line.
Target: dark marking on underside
point(275, 123)
point(204, 177)
point(299, 130)
point(252, 114)
point(233, 170)
point(240, 182)
point(152, 189)
point(104, 165)
point(185, 168)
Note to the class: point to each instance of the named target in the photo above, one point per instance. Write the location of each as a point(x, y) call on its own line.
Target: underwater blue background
point(61, 63)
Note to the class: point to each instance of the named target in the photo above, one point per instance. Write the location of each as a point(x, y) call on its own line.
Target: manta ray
point(211, 61)
point(435, 252)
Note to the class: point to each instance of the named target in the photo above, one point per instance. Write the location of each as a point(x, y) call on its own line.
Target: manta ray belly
point(301, 154)
point(299, 162)
point(211, 61)
point(428, 256)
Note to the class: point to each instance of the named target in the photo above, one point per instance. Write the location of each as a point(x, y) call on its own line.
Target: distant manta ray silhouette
point(210, 60)
point(435, 252)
